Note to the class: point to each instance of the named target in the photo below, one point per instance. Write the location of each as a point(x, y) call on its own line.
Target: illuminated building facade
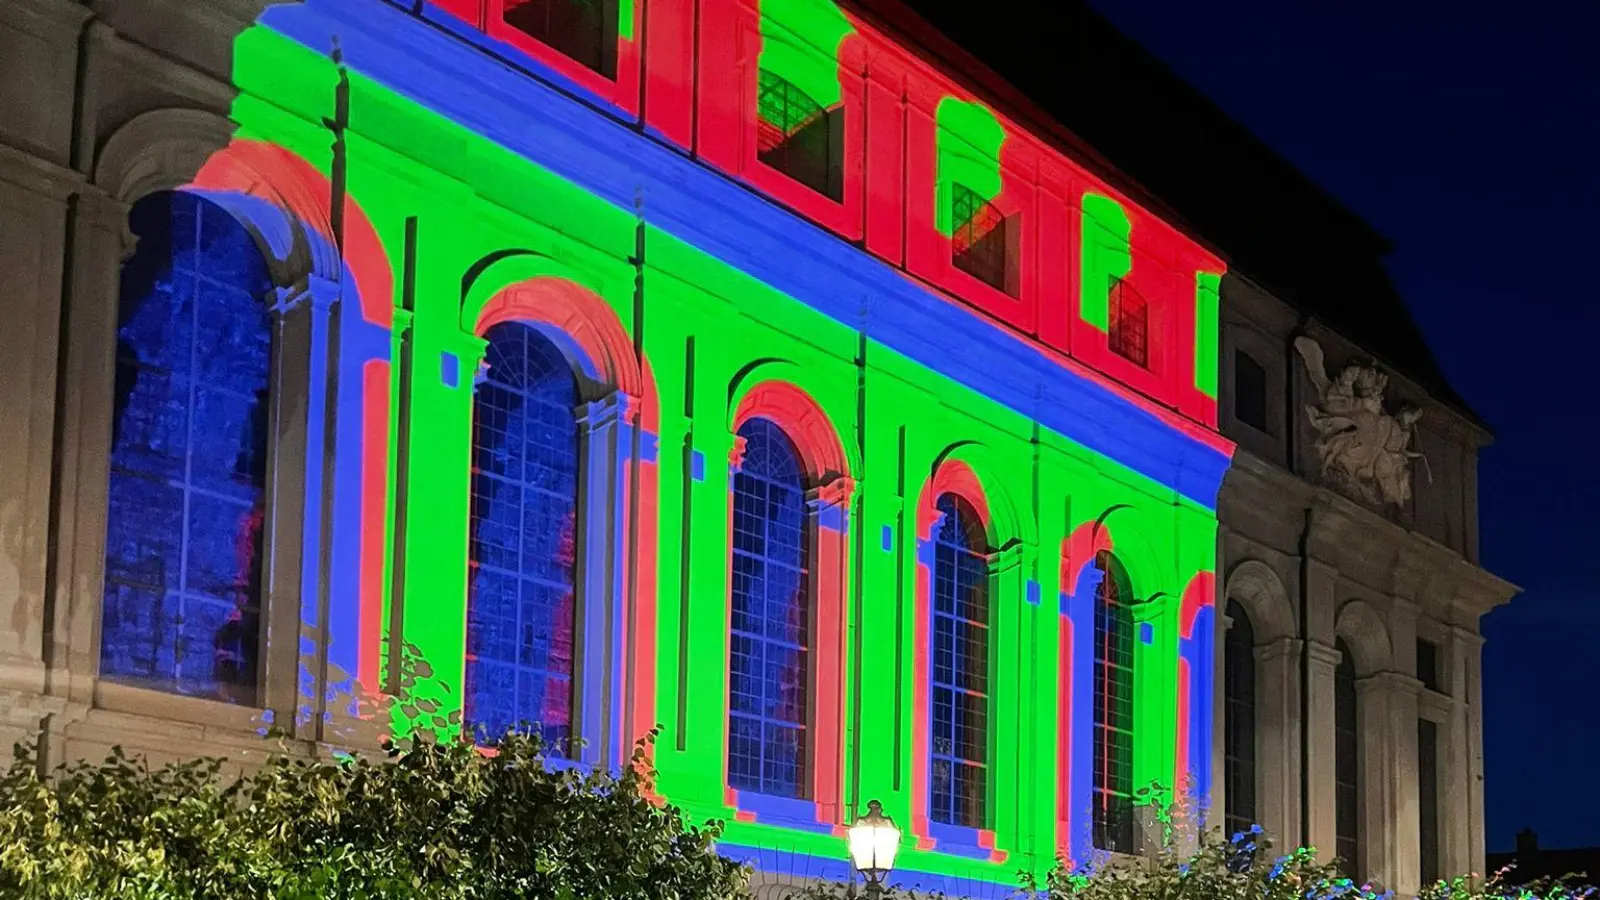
point(714, 364)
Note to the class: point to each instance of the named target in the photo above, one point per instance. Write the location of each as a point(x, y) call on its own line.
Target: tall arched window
point(1347, 767)
point(1113, 708)
point(960, 619)
point(1239, 720)
point(188, 486)
point(521, 606)
point(771, 618)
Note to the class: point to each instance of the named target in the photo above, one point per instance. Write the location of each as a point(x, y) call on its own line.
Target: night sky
point(1473, 144)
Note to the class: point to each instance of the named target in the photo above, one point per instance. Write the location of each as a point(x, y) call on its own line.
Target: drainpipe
point(1291, 433)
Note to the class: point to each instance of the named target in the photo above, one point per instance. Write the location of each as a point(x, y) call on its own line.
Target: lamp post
point(874, 840)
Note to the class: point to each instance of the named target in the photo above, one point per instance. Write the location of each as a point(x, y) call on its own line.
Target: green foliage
point(436, 821)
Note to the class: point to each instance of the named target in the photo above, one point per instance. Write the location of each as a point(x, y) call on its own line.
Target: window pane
point(1347, 783)
point(1113, 813)
point(979, 239)
point(1239, 721)
point(960, 636)
point(521, 606)
point(1128, 331)
point(1249, 391)
point(583, 30)
point(770, 639)
point(187, 494)
point(799, 138)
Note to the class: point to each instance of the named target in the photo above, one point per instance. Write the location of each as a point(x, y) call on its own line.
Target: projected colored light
point(959, 350)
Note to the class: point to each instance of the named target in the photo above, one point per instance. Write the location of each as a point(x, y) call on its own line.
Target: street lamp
point(874, 840)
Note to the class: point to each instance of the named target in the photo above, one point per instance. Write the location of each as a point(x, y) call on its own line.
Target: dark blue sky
point(1473, 143)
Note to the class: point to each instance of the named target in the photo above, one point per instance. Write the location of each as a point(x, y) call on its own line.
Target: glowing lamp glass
point(874, 840)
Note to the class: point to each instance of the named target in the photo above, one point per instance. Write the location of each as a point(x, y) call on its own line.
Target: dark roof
point(1579, 867)
point(1062, 61)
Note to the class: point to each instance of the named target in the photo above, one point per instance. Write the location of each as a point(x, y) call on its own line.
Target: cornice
point(724, 220)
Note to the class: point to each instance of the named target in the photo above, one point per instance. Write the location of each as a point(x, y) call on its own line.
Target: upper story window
point(583, 30)
point(800, 138)
point(1249, 391)
point(980, 241)
point(1239, 721)
point(770, 625)
point(1347, 766)
point(1113, 819)
point(1428, 664)
point(960, 745)
point(189, 450)
point(521, 601)
point(1128, 324)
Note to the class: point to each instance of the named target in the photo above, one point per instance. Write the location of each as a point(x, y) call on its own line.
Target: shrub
point(437, 821)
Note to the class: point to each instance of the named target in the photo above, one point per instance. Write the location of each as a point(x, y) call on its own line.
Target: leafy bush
point(443, 822)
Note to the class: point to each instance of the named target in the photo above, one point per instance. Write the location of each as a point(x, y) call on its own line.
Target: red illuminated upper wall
point(902, 136)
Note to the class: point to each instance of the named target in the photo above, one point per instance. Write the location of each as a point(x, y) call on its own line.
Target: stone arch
point(568, 312)
point(956, 470)
point(263, 186)
point(771, 389)
point(1363, 631)
point(1127, 536)
point(1260, 591)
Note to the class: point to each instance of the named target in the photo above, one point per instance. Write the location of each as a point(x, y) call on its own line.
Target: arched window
point(1113, 708)
point(1347, 768)
point(770, 624)
point(799, 138)
point(188, 486)
point(960, 783)
point(520, 593)
point(1239, 720)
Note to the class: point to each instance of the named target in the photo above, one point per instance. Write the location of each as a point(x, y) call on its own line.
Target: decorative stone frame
point(829, 497)
point(189, 150)
point(610, 389)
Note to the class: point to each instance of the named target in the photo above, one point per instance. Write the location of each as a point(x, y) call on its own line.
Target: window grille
point(1115, 828)
point(769, 640)
point(799, 138)
point(1239, 721)
point(521, 606)
point(1129, 326)
point(584, 31)
point(1346, 763)
point(188, 479)
point(979, 244)
point(960, 620)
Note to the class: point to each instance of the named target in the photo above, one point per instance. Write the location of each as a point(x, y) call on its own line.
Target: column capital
point(1007, 558)
point(736, 448)
point(835, 491)
point(1466, 637)
point(615, 407)
point(1324, 654)
point(1394, 683)
point(1274, 650)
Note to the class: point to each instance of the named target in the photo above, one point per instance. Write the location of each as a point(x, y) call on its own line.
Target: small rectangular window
point(1128, 329)
point(1428, 664)
point(583, 30)
point(799, 138)
point(1249, 391)
point(980, 243)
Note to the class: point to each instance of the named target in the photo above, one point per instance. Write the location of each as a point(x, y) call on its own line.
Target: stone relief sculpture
point(1365, 451)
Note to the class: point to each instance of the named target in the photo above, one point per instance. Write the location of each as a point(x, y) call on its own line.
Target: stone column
point(1461, 814)
point(1320, 772)
point(1391, 748)
point(601, 608)
point(1278, 739)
